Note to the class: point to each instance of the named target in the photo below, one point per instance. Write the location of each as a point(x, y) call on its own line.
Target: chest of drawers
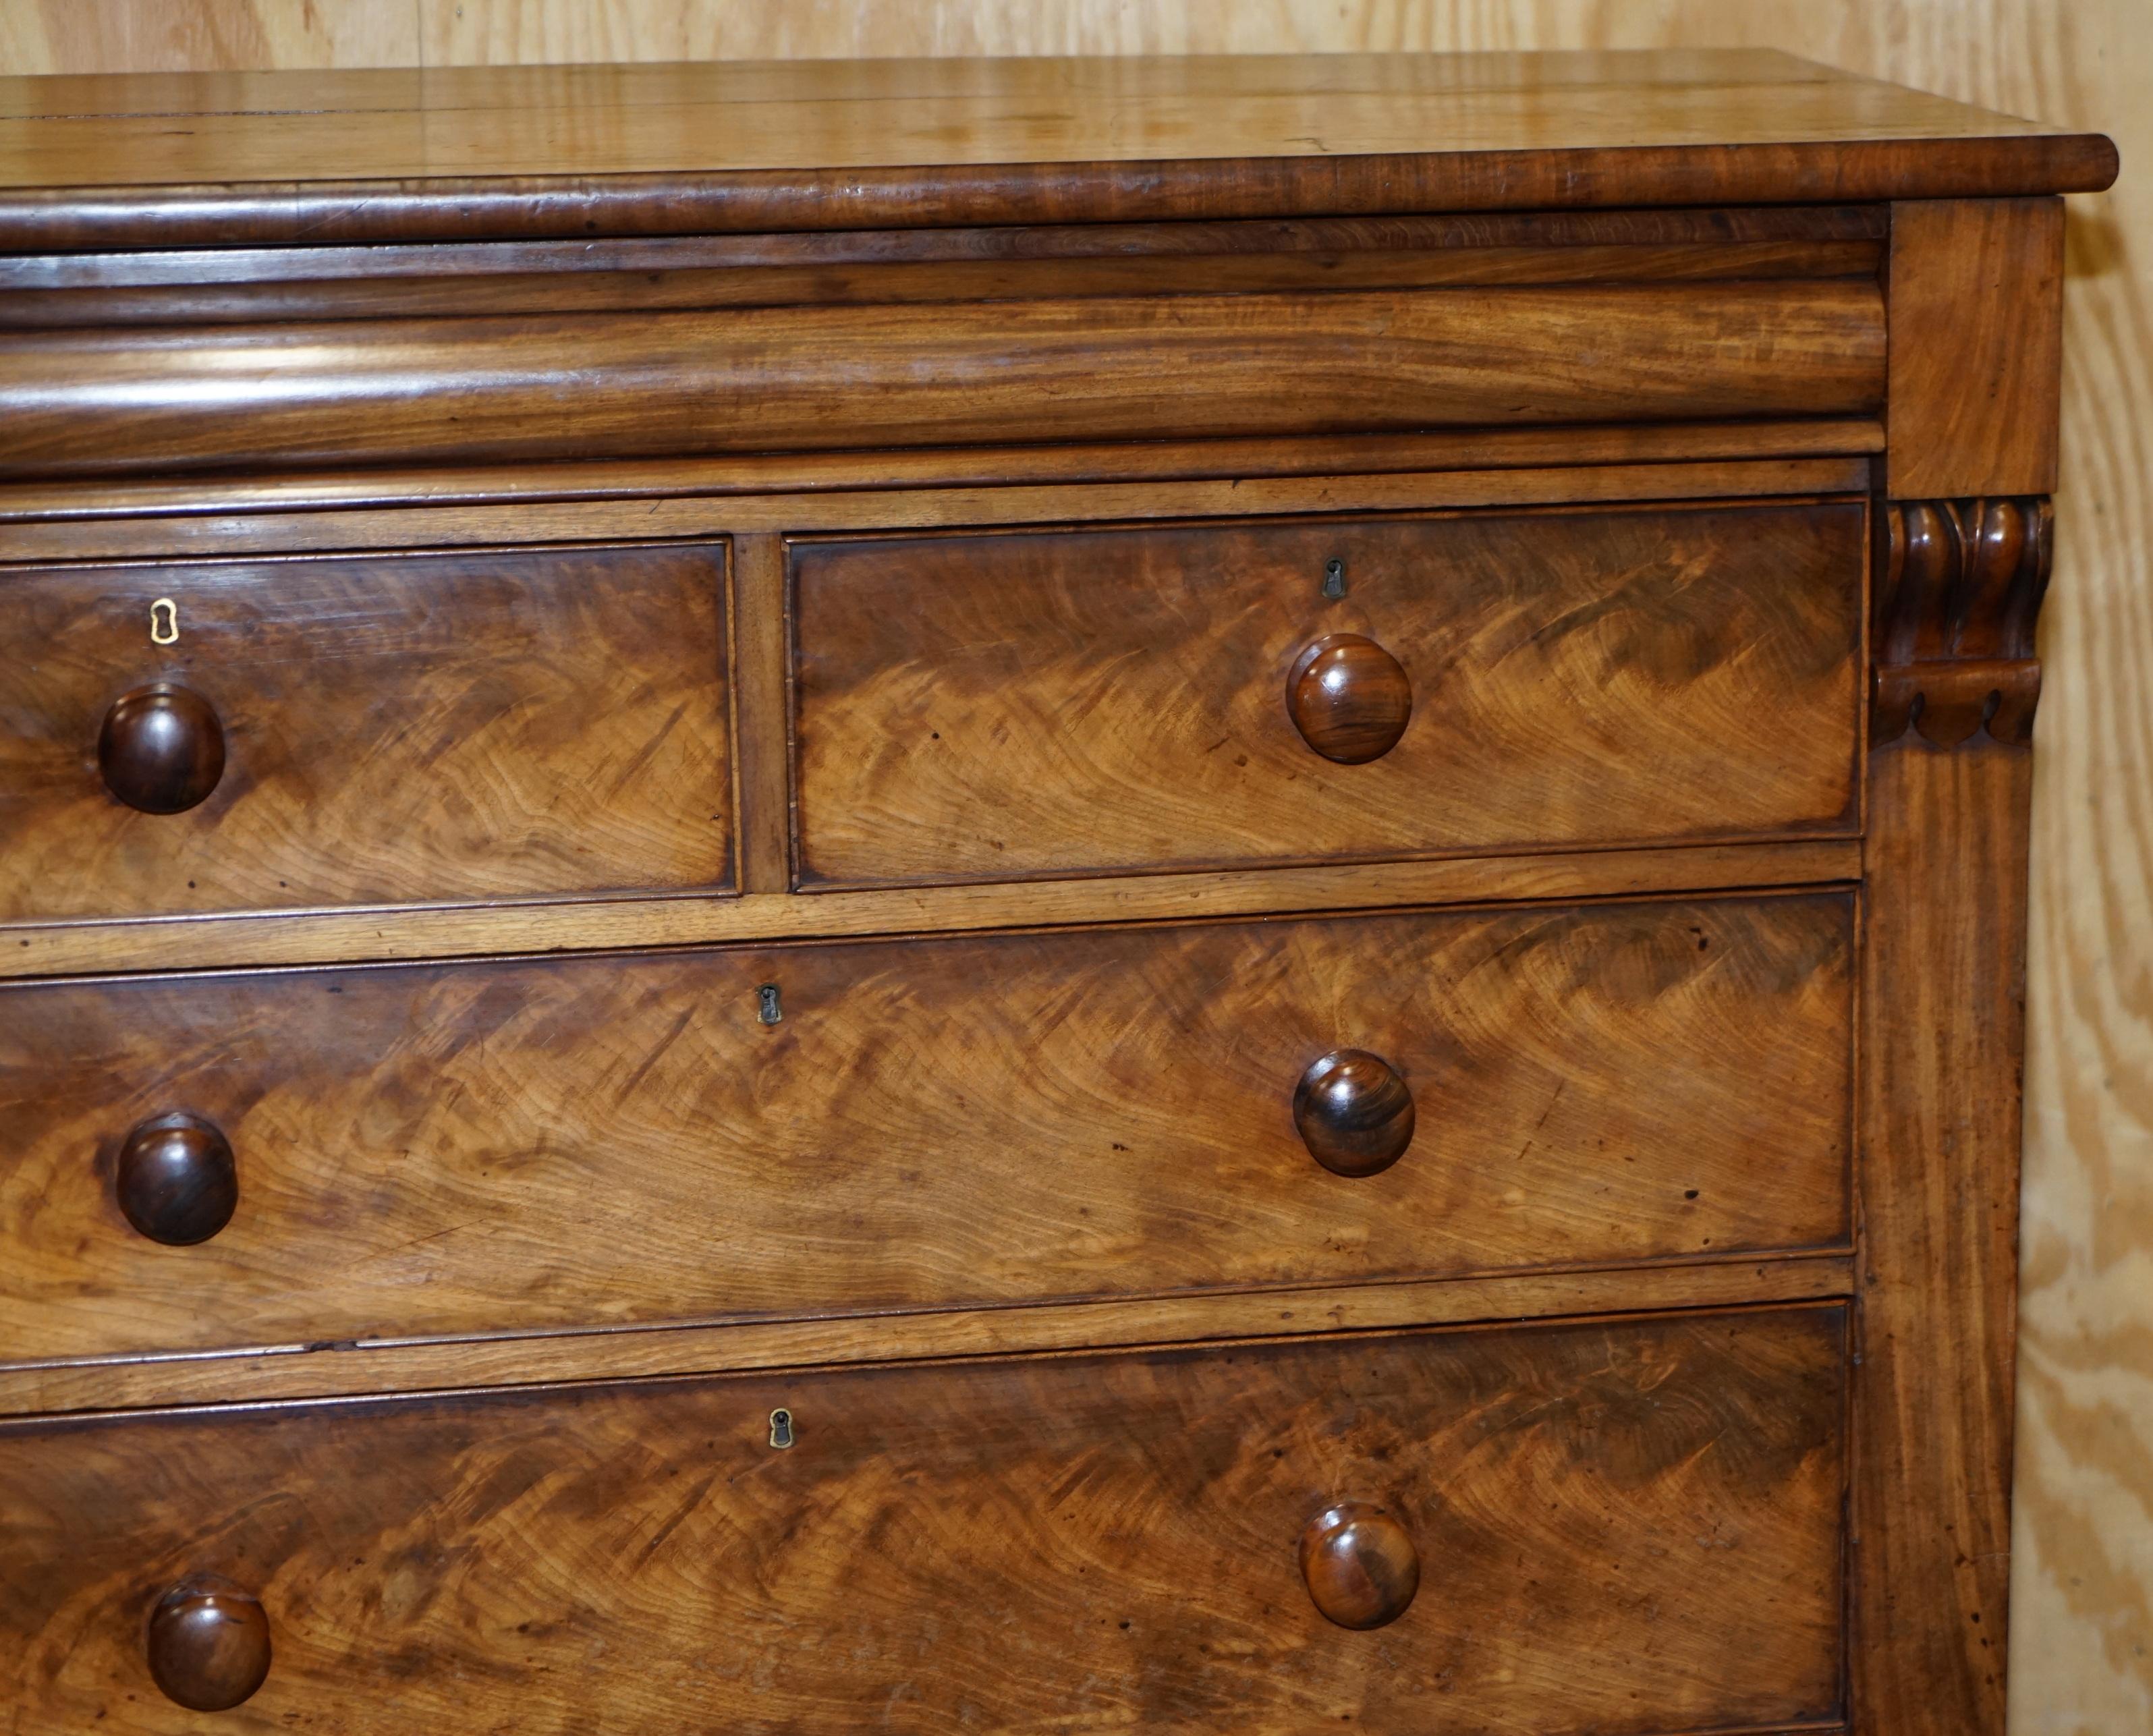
point(1031, 896)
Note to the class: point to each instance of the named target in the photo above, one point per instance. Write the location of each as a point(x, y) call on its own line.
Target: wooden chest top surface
point(478, 152)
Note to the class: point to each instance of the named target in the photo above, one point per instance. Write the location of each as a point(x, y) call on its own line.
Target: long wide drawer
point(205, 736)
point(990, 372)
point(988, 707)
point(289, 1156)
point(1621, 1528)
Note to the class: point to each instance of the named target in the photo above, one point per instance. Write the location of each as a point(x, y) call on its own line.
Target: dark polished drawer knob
point(177, 1182)
point(209, 1643)
point(1350, 698)
point(1355, 1114)
point(1360, 1564)
point(161, 749)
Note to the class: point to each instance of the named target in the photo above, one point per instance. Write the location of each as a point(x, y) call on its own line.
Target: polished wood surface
point(660, 501)
point(1354, 1112)
point(1971, 316)
point(70, 948)
point(1081, 1541)
point(346, 1369)
point(761, 653)
point(1020, 1117)
point(161, 749)
point(611, 150)
point(1977, 347)
point(1361, 1565)
point(813, 485)
point(393, 730)
point(1956, 602)
point(982, 708)
point(1350, 698)
point(1943, 1005)
point(833, 377)
point(176, 1179)
point(208, 1644)
point(247, 285)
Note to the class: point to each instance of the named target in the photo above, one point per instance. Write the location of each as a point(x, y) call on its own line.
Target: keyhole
point(1333, 578)
point(781, 1428)
point(164, 622)
point(768, 1007)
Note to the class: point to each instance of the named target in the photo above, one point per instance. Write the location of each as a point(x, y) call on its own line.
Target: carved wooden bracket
point(1962, 584)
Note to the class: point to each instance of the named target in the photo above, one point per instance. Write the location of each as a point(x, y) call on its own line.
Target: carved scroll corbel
point(1961, 587)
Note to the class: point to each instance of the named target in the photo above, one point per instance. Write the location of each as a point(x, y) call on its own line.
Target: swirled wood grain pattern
point(987, 708)
point(395, 730)
point(500, 1146)
point(2083, 1604)
point(1068, 1544)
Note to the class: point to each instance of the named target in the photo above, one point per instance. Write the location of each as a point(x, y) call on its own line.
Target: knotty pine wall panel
point(2082, 1652)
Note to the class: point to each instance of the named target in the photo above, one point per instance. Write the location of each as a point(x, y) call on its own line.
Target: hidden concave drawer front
point(404, 729)
point(1618, 1527)
point(291, 1157)
point(1040, 704)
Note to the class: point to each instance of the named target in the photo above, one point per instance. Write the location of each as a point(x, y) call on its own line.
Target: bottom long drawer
point(1618, 1526)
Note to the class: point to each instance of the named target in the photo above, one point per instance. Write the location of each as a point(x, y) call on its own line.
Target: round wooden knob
point(177, 1180)
point(1355, 1114)
point(1350, 698)
point(161, 749)
point(209, 1643)
point(1360, 1564)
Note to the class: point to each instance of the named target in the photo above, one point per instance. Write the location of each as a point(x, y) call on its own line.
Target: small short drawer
point(989, 707)
point(416, 729)
point(1622, 1527)
point(275, 1157)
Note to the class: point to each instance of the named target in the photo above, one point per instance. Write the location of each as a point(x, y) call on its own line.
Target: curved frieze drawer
point(1030, 704)
point(414, 728)
point(959, 373)
point(292, 1157)
point(1621, 1527)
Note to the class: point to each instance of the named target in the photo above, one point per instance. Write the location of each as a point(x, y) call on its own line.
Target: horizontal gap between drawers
point(40, 528)
point(400, 1368)
point(183, 943)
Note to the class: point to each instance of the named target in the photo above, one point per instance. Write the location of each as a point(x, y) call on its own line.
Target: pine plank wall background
point(2083, 1602)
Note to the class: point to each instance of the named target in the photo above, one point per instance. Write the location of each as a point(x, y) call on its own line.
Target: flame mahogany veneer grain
point(1681, 427)
point(1088, 1541)
point(447, 1149)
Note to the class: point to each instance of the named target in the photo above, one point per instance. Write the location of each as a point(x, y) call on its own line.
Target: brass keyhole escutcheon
point(164, 622)
point(781, 1428)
